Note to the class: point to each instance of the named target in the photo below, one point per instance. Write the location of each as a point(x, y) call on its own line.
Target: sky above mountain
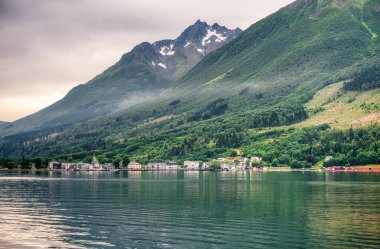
point(49, 46)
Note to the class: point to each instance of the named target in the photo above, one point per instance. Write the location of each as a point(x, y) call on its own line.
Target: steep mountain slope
point(281, 61)
point(343, 109)
point(304, 38)
point(139, 76)
point(263, 78)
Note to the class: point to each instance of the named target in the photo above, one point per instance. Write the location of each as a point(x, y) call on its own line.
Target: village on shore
point(219, 164)
point(222, 164)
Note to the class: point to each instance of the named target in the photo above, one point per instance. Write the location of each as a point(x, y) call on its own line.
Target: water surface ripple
point(189, 210)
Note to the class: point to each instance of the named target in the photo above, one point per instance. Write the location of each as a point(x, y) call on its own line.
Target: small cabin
point(134, 166)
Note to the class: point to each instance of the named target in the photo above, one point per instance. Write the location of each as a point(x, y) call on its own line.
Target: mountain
point(176, 57)
point(145, 71)
point(305, 38)
point(264, 78)
point(171, 59)
point(280, 62)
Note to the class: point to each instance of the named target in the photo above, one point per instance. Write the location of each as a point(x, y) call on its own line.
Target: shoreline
point(361, 168)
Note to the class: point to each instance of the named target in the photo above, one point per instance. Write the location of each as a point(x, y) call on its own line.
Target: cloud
point(49, 46)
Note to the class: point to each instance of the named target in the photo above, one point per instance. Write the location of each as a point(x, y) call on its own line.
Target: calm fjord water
point(190, 210)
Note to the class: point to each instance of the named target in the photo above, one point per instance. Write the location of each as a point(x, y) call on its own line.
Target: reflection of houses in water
point(134, 174)
point(191, 174)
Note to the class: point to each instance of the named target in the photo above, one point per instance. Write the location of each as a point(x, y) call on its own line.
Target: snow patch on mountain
point(162, 65)
point(165, 50)
point(210, 34)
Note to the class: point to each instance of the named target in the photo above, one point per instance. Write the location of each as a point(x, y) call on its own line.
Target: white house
point(192, 165)
point(69, 166)
point(134, 166)
point(157, 166)
point(163, 166)
point(84, 166)
point(108, 166)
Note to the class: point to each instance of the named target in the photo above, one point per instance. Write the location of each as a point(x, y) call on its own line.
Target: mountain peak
point(199, 22)
point(195, 42)
point(198, 25)
point(201, 31)
point(142, 47)
point(217, 26)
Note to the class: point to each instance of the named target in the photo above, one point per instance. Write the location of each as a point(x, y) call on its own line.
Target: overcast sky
point(49, 46)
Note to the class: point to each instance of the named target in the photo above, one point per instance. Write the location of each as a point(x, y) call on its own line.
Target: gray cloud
point(49, 46)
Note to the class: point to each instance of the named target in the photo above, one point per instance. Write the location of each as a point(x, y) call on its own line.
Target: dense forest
point(308, 146)
point(367, 79)
point(297, 148)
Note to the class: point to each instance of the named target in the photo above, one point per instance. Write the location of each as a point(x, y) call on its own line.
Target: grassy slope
point(342, 109)
point(339, 109)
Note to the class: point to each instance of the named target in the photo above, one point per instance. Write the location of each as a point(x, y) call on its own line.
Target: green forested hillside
point(264, 78)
